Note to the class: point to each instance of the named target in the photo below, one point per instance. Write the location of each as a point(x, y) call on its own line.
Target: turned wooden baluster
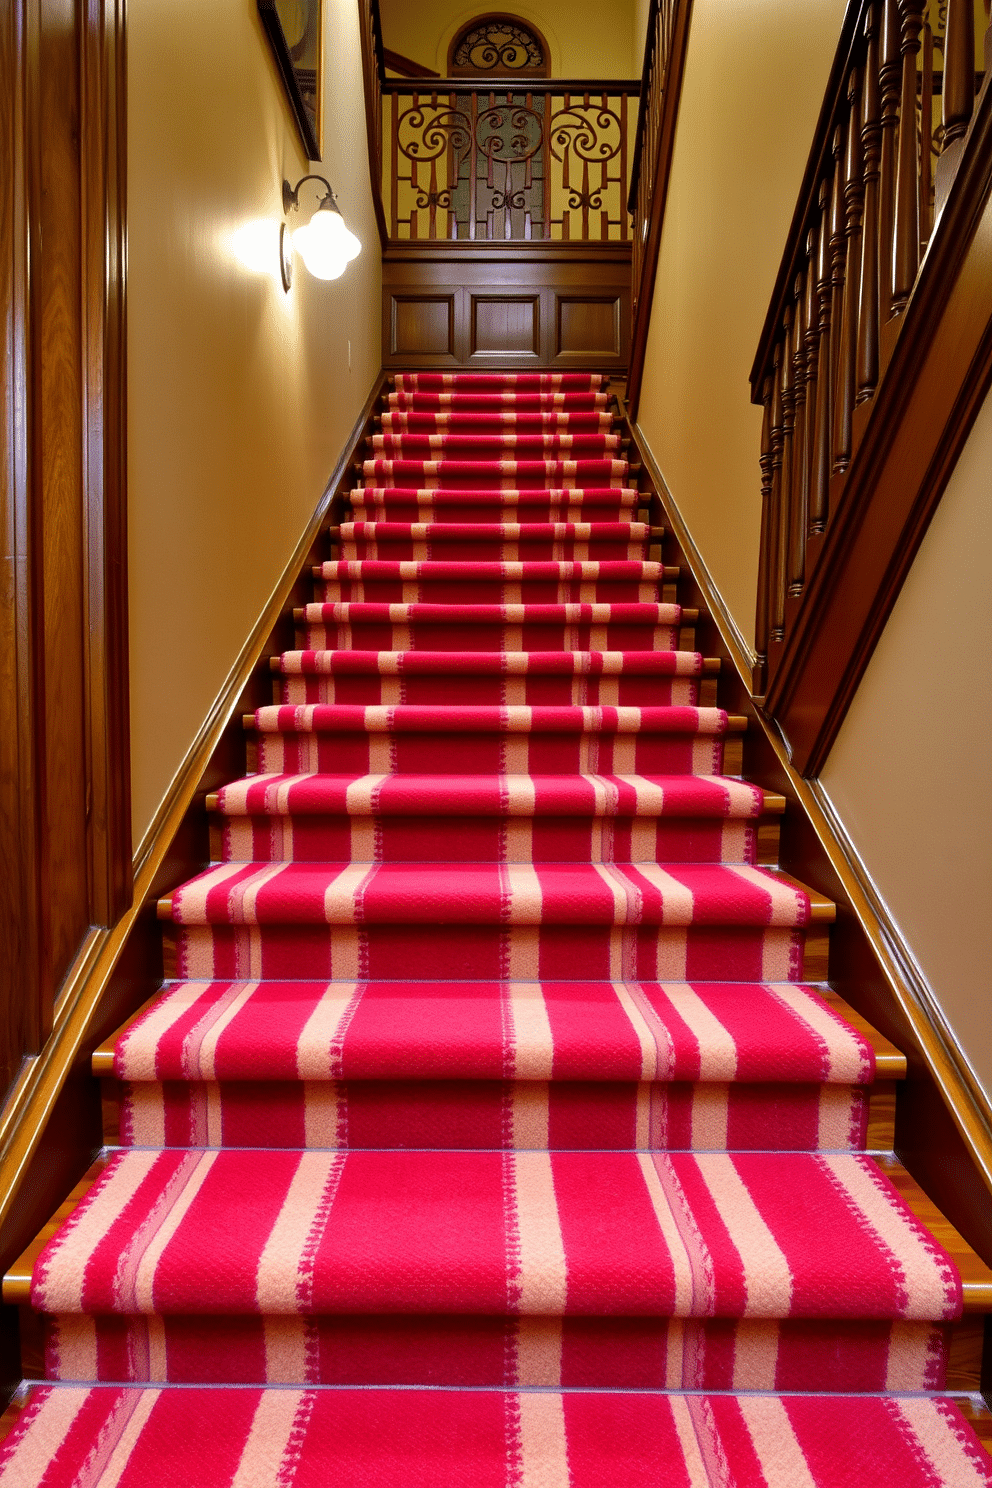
point(848, 349)
point(787, 376)
point(838, 247)
point(906, 244)
point(797, 510)
point(926, 139)
point(959, 69)
point(761, 623)
point(819, 494)
point(871, 143)
point(776, 600)
point(890, 83)
point(812, 322)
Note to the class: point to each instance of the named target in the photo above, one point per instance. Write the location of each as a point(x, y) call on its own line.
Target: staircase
point(496, 1123)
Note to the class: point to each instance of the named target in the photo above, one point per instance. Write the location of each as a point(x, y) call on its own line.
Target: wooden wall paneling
point(907, 443)
point(941, 1134)
point(51, 1128)
point(543, 305)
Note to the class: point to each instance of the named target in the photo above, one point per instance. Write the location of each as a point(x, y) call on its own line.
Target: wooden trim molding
point(661, 95)
point(50, 1126)
point(64, 730)
point(910, 439)
point(943, 1120)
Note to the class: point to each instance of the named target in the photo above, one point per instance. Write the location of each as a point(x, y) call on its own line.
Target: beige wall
point(586, 37)
point(240, 396)
point(755, 77)
point(909, 772)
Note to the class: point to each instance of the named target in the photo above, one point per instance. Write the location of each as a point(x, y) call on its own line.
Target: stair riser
point(487, 591)
point(552, 635)
point(491, 754)
point(633, 690)
point(608, 1353)
point(442, 839)
point(563, 1116)
point(488, 952)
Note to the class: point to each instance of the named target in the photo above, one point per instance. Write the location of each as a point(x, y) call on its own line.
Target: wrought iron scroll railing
point(492, 161)
point(889, 143)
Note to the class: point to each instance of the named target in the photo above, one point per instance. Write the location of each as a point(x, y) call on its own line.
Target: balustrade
point(541, 161)
point(899, 104)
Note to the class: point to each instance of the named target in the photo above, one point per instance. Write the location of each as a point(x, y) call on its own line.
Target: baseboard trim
point(964, 1098)
point(743, 653)
point(33, 1095)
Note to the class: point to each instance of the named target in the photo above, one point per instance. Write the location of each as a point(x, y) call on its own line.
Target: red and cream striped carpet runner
point(489, 1133)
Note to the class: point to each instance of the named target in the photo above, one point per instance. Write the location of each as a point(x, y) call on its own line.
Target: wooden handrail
point(878, 241)
point(661, 91)
point(628, 87)
point(396, 62)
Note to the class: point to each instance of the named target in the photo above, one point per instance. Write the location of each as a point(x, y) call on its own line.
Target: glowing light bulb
point(325, 244)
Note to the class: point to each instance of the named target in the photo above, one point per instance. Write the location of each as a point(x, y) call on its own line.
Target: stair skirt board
point(491, 1077)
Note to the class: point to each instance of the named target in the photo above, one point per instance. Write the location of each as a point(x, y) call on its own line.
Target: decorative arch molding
point(498, 44)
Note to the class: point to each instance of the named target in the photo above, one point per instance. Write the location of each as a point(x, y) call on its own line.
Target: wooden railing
point(661, 88)
point(491, 161)
point(892, 136)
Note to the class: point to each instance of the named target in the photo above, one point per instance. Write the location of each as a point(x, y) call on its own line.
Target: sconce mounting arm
point(291, 194)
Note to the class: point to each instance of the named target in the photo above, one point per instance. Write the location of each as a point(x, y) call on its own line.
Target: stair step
point(448, 1247)
point(495, 1439)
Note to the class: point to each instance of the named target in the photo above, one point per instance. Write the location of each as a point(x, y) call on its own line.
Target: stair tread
point(418, 1438)
point(483, 531)
point(490, 795)
point(597, 1236)
point(707, 1032)
point(675, 894)
point(422, 568)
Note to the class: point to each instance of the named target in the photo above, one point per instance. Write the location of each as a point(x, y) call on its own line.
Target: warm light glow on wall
point(256, 246)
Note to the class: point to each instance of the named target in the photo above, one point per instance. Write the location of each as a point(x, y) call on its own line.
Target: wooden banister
point(869, 269)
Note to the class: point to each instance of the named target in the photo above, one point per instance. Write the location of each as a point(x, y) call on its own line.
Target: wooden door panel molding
point(589, 326)
point(65, 830)
point(422, 325)
point(505, 326)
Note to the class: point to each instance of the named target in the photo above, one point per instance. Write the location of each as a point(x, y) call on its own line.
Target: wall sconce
point(324, 244)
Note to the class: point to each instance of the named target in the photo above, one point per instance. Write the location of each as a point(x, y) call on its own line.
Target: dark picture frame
point(294, 56)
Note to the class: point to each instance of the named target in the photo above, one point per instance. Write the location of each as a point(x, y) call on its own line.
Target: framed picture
point(293, 28)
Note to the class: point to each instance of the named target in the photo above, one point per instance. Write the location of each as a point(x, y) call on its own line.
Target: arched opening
point(499, 46)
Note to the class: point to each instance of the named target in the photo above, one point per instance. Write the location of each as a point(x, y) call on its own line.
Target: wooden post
point(787, 381)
